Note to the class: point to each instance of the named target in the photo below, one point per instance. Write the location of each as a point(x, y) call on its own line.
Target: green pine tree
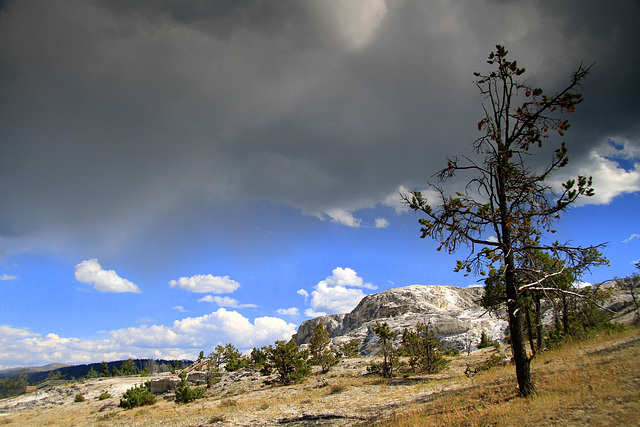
point(319, 347)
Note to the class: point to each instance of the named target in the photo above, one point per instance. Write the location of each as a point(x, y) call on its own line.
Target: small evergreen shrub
point(186, 394)
point(423, 349)
point(484, 341)
point(288, 361)
point(235, 363)
point(79, 398)
point(493, 361)
point(489, 363)
point(453, 352)
point(389, 353)
point(227, 356)
point(212, 379)
point(350, 348)
point(319, 348)
point(137, 396)
point(374, 368)
point(258, 357)
point(104, 395)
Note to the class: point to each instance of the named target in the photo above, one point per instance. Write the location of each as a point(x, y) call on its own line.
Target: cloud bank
point(324, 106)
point(183, 340)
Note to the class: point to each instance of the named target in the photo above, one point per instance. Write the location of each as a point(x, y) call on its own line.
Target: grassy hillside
point(595, 383)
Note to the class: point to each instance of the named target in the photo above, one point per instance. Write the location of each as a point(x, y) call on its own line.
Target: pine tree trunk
point(539, 335)
point(530, 330)
point(518, 347)
point(565, 314)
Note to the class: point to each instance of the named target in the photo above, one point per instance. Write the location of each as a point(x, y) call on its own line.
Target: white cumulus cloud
point(346, 277)
point(184, 339)
point(610, 179)
point(90, 272)
point(338, 293)
point(335, 299)
point(206, 283)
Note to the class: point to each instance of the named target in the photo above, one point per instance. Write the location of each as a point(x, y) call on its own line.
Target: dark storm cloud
point(116, 113)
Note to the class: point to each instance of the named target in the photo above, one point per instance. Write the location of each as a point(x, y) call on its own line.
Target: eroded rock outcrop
point(163, 385)
point(454, 314)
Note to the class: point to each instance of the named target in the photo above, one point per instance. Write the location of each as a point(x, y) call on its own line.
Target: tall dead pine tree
point(507, 199)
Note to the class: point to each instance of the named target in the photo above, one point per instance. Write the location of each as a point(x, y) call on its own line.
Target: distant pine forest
point(93, 370)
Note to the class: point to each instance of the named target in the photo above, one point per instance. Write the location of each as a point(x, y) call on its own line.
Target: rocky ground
point(52, 397)
point(344, 396)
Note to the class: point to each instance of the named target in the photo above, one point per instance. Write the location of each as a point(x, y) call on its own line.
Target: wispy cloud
point(7, 277)
point(293, 311)
point(630, 238)
point(382, 223)
point(225, 302)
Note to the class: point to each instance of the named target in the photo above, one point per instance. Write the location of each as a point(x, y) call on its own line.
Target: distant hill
point(69, 372)
point(32, 369)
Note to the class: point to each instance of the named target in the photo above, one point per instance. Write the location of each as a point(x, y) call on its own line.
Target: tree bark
point(539, 335)
point(530, 331)
point(518, 348)
point(565, 314)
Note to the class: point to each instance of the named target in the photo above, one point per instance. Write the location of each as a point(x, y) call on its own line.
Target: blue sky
point(176, 175)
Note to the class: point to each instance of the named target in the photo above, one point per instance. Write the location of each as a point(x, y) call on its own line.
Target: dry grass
point(593, 383)
point(590, 383)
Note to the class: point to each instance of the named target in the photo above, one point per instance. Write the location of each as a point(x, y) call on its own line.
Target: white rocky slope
point(454, 314)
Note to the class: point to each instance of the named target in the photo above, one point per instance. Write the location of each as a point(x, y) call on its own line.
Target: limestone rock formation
point(454, 314)
point(163, 385)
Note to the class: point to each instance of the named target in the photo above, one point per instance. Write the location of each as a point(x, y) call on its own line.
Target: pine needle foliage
point(508, 196)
